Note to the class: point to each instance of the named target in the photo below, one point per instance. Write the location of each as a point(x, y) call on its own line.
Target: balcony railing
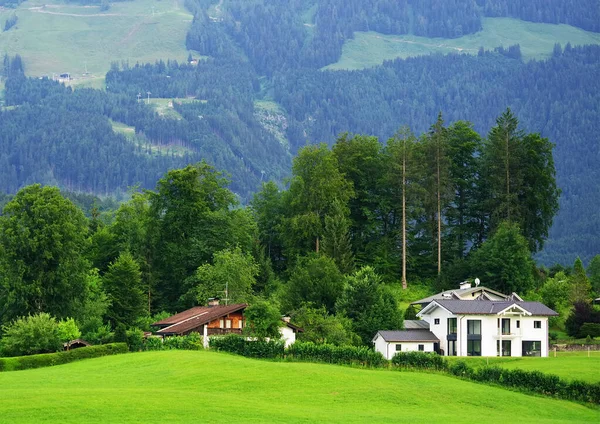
point(514, 332)
point(222, 331)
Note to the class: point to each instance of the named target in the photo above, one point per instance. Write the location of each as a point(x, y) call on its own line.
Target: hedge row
point(533, 381)
point(137, 343)
point(420, 360)
point(49, 359)
point(344, 355)
point(252, 348)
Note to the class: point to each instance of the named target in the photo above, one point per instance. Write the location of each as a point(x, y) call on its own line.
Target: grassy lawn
point(184, 386)
point(53, 37)
point(537, 40)
point(567, 365)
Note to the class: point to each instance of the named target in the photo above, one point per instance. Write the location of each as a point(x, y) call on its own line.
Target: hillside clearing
point(369, 49)
point(179, 386)
point(58, 38)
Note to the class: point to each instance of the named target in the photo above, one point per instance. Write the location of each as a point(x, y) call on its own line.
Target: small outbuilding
point(388, 343)
point(75, 344)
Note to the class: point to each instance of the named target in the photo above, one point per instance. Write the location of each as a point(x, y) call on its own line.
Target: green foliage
point(135, 339)
point(593, 272)
point(262, 321)
point(68, 330)
point(504, 261)
point(42, 269)
point(410, 313)
point(369, 305)
point(321, 327)
point(341, 355)
point(30, 335)
point(315, 279)
point(231, 269)
point(420, 360)
point(590, 330)
point(51, 359)
point(192, 341)
point(580, 284)
point(582, 313)
point(233, 343)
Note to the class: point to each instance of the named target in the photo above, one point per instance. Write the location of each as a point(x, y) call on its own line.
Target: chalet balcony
point(513, 333)
point(223, 331)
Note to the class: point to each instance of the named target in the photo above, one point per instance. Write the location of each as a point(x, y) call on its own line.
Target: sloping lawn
point(184, 386)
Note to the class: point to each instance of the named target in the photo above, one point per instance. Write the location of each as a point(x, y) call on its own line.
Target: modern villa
point(473, 321)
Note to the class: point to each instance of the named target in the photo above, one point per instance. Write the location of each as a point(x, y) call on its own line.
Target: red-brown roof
point(186, 321)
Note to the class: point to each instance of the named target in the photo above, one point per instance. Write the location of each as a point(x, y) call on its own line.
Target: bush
point(50, 359)
point(30, 335)
point(135, 339)
point(589, 329)
point(420, 360)
point(460, 369)
point(233, 343)
point(192, 341)
point(343, 355)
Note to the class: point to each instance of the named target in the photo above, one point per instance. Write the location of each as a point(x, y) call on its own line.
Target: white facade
point(481, 334)
point(288, 335)
point(388, 348)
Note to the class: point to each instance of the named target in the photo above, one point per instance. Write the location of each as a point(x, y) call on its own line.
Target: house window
point(451, 325)
point(473, 347)
point(240, 324)
point(436, 321)
point(421, 348)
point(474, 327)
point(505, 325)
point(451, 347)
point(518, 324)
point(537, 324)
point(398, 347)
point(221, 323)
point(227, 323)
point(532, 348)
point(505, 347)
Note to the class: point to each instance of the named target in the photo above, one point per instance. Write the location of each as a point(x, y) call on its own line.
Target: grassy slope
point(61, 38)
point(536, 40)
point(180, 386)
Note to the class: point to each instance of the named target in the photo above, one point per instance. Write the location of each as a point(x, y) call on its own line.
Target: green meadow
point(537, 41)
point(200, 386)
point(55, 38)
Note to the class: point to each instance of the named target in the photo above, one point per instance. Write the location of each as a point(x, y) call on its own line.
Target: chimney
point(213, 301)
point(465, 285)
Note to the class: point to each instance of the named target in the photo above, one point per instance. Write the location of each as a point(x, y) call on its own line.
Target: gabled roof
point(414, 324)
point(463, 294)
point(407, 336)
point(488, 307)
point(194, 317)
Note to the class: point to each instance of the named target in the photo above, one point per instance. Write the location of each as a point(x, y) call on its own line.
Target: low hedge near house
point(17, 363)
point(331, 354)
point(233, 343)
point(420, 360)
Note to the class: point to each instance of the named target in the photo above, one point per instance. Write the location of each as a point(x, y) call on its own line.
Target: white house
point(391, 342)
point(472, 321)
point(488, 327)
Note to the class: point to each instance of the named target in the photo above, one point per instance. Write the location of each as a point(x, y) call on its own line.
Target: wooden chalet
point(213, 319)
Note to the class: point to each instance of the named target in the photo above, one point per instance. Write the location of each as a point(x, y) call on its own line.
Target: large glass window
point(474, 327)
point(537, 324)
point(451, 347)
point(505, 325)
point(532, 348)
point(505, 347)
point(451, 325)
point(474, 347)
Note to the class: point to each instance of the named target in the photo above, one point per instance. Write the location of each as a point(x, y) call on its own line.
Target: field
point(185, 386)
point(369, 49)
point(567, 365)
point(55, 38)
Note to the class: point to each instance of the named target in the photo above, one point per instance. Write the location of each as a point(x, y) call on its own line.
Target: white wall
point(440, 330)
point(287, 335)
point(388, 349)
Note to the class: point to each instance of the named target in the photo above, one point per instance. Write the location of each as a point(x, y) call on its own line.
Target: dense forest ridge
point(550, 97)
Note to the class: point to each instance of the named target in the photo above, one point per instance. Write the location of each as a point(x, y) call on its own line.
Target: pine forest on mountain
point(273, 52)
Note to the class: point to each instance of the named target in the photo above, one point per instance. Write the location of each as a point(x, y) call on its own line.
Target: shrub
point(50, 359)
point(460, 369)
point(233, 343)
point(153, 343)
point(590, 329)
point(420, 360)
point(344, 355)
point(30, 335)
point(135, 339)
point(192, 341)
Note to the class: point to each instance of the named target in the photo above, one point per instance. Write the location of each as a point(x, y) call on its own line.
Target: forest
point(362, 226)
point(273, 52)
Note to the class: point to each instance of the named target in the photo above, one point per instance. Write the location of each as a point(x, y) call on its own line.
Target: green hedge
point(252, 348)
point(420, 360)
point(345, 355)
point(49, 359)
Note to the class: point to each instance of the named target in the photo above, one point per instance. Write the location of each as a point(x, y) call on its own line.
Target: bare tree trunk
point(404, 283)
